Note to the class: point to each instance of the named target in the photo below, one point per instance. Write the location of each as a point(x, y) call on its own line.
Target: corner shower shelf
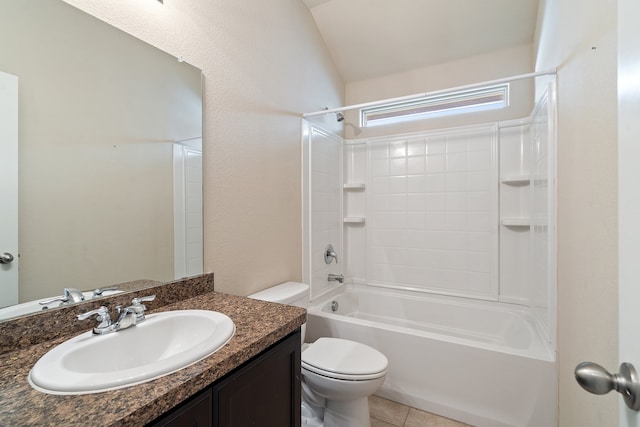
point(354, 220)
point(516, 222)
point(516, 179)
point(354, 186)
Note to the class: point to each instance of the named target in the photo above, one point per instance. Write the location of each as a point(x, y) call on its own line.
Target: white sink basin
point(162, 344)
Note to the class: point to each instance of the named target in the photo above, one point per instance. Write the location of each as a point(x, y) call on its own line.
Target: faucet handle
point(138, 301)
point(330, 254)
point(138, 308)
point(102, 314)
point(99, 291)
point(61, 298)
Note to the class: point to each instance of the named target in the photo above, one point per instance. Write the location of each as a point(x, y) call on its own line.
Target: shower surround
point(430, 222)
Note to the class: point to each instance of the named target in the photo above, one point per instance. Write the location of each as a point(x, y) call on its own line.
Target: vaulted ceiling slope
point(372, 38)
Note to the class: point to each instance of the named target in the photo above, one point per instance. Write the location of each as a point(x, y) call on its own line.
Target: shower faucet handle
point(330, 254)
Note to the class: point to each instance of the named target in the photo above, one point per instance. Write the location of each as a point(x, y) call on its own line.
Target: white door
point(8, 189)
point(629, 191)
point(187, 205)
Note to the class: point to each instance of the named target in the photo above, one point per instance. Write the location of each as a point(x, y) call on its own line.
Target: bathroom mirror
point(109, 153)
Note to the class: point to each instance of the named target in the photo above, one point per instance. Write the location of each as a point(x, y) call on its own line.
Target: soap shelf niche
point(354, 186)
point(516, 222)
point(354, 220)
point(516, 180)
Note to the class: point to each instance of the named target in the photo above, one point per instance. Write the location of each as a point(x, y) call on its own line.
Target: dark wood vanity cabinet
point(263, 392)
point(194, 413)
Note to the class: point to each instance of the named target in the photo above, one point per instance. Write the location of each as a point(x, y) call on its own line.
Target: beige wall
point(96, 133)
point(475, 69)
point(264, 64)
point(579, 37)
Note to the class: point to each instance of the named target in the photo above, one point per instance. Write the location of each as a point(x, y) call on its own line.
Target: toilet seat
point(343, 359)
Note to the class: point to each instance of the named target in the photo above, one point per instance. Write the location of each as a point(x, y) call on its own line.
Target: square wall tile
point(417, 165)
point(479, 161)
point(436, 163)
point(436, 201)
point(457, 202)
point(457, 144)
point(379, 185)
point(397, 184)
point(398, 166)
point(379, 167)
point(456, 181)
point(417, 147)
point(416, 184)
point(397, 202)
point(397, 149)
point(456, 221)
point(436, 183)
point(479, 201)
point(417, 202)
point(379, 150)
point(436, 221)
point(436, 144)
point(415, 220)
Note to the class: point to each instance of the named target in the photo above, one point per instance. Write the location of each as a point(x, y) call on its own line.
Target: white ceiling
point(371, 38)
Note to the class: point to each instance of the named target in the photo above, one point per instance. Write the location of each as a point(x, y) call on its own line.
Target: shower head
point(339, 115)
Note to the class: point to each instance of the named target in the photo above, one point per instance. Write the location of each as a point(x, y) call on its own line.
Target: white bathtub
point(479, 362)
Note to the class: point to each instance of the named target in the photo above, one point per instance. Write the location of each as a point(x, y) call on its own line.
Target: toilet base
point(310, 418)
point(352, 413)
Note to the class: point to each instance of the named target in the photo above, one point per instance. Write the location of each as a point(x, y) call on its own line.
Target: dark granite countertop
point(259, 324)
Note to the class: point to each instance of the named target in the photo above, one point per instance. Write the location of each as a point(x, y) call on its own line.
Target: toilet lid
point(344, 359)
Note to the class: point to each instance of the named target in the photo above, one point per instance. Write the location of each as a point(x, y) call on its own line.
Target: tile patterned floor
point(387, 413)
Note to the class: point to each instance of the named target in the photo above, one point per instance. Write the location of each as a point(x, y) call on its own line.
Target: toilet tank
point(292, 293)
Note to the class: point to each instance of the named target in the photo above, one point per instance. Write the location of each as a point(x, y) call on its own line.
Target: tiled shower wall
point(430, 210)
point(466, 211)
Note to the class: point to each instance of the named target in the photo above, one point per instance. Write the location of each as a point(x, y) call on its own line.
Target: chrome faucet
point(330, 254)
point(127, 317)
point(69, 296)
point(336, 278)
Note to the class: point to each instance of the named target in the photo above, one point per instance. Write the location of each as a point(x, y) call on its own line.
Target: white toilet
point(338, 375)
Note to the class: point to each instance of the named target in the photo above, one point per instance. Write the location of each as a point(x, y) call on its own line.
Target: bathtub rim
point(540, 349)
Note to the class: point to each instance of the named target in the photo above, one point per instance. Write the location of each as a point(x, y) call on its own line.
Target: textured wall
point(579, 37)
point(264, 63)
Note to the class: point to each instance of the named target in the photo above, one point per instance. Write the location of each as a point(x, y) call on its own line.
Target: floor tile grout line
point(407, 415)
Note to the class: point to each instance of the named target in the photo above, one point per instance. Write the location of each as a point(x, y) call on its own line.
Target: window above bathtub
point(449, 104)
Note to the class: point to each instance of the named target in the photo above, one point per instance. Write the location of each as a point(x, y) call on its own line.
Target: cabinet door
point(263, 393)
point(195, 413)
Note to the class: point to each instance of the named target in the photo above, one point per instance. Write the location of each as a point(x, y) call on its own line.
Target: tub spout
point(336, 278)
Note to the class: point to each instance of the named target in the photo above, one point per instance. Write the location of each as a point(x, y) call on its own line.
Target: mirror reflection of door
point(8, 189)
point(187, 205)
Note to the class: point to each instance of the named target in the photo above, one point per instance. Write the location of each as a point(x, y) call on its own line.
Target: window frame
point(459, 102)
